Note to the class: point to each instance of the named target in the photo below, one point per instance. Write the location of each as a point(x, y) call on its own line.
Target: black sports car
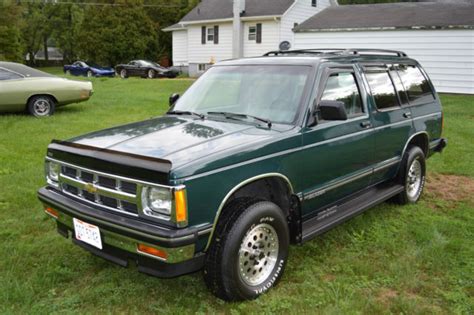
point(145, 69)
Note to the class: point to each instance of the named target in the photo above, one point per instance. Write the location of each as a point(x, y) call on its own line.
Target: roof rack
point(337, 51)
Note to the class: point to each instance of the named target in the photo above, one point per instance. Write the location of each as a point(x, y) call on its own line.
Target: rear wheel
point(249, 250)
point(41, 106)
point(123, 74)
point(151, 74)
point(412, 176)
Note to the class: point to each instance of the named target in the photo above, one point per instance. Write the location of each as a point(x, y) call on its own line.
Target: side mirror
point(332, 110)
point(173, 99)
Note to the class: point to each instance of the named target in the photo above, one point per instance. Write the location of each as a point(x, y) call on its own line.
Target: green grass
point(416, 259)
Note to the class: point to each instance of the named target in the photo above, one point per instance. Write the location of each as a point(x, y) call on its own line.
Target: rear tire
point(123, 74)
point(412, 176)
point(151, 74)
point(41, 106)
point(249, 250)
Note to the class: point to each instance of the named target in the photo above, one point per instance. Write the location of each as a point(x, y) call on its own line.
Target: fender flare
point(236, 188)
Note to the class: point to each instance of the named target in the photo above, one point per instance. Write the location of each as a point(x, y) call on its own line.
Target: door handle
point(365, 124)
point(407, 115)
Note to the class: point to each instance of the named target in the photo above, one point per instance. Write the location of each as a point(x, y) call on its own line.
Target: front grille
point(103, 190)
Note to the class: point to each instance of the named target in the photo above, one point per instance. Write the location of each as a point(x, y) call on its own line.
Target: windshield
point(268, 92)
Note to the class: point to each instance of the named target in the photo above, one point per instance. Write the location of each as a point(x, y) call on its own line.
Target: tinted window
point(382, 89)
point(7, 75)
point(402, 95)
point(416, 85)
point(343, 87)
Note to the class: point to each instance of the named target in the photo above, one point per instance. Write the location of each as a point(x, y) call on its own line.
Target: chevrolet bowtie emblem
point(90, 188)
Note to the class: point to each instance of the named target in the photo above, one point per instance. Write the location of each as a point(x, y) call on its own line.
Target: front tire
point(41, 106)
point(249, 250)
point(412, 176)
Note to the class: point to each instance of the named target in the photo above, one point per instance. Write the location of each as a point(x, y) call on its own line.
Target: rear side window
point(7, 75)
point(342, 87)
point(382, 89)
point(416, 85)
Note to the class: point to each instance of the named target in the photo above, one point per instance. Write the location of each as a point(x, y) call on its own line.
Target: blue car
point(88, 69)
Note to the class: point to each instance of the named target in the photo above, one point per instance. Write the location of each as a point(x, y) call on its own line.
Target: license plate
point(87, 233)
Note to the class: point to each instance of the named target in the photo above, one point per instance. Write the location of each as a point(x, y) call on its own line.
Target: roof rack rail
point(357, 51)
point(303, 51)
point(339, 51)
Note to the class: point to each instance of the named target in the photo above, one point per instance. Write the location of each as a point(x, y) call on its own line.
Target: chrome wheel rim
point(258, 254)
point(123, 73)
point(150, 74)
point(41, 107)
point(414, 178)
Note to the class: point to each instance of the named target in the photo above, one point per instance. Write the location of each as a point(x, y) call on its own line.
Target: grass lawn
point(412, 259)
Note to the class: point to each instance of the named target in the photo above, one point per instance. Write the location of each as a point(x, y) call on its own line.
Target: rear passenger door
point(391, 119)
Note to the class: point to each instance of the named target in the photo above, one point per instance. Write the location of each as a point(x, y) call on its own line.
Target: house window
point(314, 3)
point(210, 34)
point(252, 33)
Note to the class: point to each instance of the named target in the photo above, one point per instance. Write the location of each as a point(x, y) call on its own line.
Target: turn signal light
point(152, 251)
point(181, 207)
point(51, 212)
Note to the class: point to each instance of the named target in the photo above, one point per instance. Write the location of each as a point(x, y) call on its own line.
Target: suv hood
point(178, 139)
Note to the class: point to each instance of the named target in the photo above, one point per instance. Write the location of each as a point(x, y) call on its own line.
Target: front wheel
point(41, 106)
point(249, 250)
point(412, 176)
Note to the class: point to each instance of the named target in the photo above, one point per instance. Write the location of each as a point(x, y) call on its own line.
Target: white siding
point(270, 38)
point(446, 55)
point(199, 53)
point(298, 13)
point(180, 48)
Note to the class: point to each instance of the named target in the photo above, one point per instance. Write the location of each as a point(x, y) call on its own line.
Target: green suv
point(258, 154)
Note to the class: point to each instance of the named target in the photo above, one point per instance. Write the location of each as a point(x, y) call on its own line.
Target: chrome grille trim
point(90, 188)
point(102, 191)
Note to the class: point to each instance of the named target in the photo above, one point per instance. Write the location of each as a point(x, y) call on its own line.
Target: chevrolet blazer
point(258, 154)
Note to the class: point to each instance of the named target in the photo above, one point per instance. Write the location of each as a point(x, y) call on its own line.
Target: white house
point(222, 29)
point(439, 35)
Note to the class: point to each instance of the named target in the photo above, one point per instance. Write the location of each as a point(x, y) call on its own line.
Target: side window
point(252, 32)
point(382, 89)
point(416, 85)
point(342, 87)
point(7, 75)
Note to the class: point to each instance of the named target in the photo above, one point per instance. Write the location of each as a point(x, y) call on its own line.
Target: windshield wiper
point(245, 116)
point(185, 112)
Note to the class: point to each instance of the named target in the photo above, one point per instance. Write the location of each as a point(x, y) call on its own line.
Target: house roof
point(391, 15)
point(222, 9)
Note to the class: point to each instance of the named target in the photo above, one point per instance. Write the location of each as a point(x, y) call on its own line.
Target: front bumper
point(120, 237)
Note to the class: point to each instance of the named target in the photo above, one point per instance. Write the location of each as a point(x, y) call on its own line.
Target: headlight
point(157, 201)
point(52, 172)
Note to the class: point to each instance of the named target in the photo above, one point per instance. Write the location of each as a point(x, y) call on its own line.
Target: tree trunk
point(45, 46)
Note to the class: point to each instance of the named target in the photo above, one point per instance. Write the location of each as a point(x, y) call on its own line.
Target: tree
point(114, 34)
point(66, 25)
point(11, 48)
point(37, 27)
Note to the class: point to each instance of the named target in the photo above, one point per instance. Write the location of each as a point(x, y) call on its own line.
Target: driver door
point(338, 154)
